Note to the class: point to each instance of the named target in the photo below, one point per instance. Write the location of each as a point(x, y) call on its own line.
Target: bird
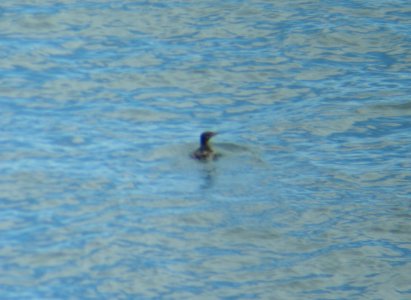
point(204, 152)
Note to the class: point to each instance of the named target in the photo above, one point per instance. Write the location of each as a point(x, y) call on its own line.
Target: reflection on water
point(102, 104)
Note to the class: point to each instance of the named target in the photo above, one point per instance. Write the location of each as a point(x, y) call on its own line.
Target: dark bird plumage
point(205, 151)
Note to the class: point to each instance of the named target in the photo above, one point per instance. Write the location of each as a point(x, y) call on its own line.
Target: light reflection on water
point(102, 103)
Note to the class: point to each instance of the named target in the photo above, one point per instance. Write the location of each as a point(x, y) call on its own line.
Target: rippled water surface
point(101, 103)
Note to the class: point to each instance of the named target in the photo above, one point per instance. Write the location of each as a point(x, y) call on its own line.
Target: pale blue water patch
point(101, 104)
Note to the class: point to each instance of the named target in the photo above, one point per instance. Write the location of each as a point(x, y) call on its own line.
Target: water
point(102, 102)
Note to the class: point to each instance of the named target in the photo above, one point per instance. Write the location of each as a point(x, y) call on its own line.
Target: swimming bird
point(204, 152)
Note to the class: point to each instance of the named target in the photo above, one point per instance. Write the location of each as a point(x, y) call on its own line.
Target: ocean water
point(102, 102)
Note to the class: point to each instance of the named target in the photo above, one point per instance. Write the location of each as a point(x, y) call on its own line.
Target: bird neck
point(205, 145)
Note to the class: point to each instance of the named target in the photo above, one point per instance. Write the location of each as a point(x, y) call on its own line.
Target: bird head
point(205, 136)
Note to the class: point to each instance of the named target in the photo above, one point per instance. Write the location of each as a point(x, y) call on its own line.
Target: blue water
point(101, 103)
